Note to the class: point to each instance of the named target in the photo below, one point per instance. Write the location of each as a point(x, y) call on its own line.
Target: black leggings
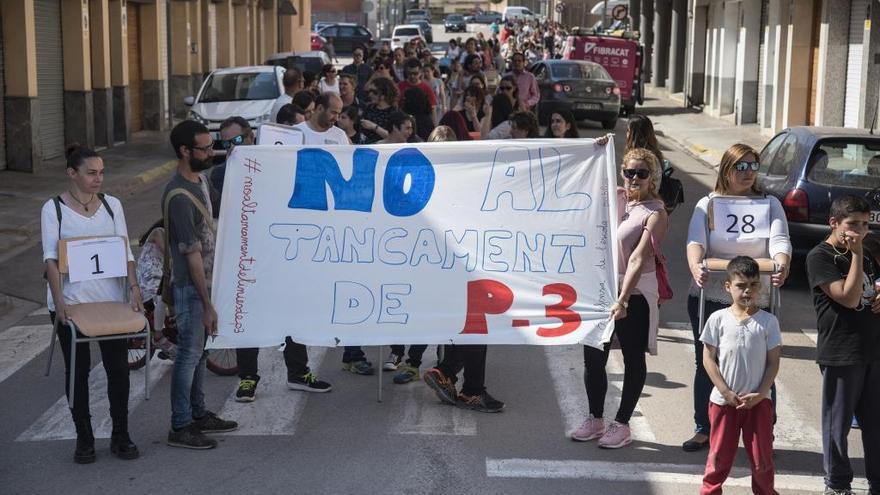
point(471, 357)
point(114, 356)
point(632, 333)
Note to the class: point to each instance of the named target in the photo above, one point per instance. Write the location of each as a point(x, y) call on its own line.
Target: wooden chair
point(93, 322)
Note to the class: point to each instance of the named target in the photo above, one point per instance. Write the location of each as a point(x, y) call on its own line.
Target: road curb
point(708, 157)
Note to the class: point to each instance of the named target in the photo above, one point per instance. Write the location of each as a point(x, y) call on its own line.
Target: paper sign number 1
point(97, 260)
point(748, 224)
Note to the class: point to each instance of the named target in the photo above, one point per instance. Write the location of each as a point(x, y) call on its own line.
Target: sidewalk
point(699, 134)
point(130, 167)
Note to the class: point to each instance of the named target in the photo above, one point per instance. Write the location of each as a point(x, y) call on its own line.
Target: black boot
point(85, 441)
point(120, 443)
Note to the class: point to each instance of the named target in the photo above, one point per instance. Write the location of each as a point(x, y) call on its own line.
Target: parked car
point(347, 36)
point(516, 13)
point(582, 87)
point(806, 168)
point(454, 23)
point(486, 18)
point(403, 34)
point(317, 42)
point(312, 61)
point(246, 91)
point(417, 15)
point(321, 25)
point(427, 30)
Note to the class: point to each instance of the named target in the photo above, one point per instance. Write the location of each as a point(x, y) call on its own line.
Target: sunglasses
point(372, 92)
point(237, 141)
point(744, 166)
point(632, 173)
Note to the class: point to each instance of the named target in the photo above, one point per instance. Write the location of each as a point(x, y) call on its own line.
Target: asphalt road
point(347, 442)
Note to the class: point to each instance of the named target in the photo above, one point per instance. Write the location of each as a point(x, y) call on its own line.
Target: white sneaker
point(392, 362)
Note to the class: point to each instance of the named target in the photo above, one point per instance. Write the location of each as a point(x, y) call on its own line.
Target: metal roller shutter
point(212, 37)
point(50, 76)
point(135, 77)
point(2, 114)
point(164, 49)
point(762, 40)
point(853, 100)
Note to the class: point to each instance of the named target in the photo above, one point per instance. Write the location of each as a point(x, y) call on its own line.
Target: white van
point(515, 13)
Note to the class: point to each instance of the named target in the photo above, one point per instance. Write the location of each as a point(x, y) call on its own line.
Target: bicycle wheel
point(222, 362)
point(137, 353)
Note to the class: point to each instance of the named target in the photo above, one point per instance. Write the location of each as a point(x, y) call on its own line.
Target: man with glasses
point(191, 241)
point(234, 131)
point(293, 84)
point(347, 91)
point(525, 81)
point(413, 71)
point(360, 70)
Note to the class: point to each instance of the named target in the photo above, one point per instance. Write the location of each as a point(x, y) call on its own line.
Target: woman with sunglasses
point(383, 68)
point(329, 81)
point(641, 225)
point(737, 176)
point(376, 119)
point(562, 125)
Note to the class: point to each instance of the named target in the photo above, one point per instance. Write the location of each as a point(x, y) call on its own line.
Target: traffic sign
point(560, 7)
point(620, 12)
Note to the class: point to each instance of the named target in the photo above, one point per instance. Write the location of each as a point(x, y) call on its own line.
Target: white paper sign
point(95, 259)
point(746, 218)
point(500, 242)
point(277, 134)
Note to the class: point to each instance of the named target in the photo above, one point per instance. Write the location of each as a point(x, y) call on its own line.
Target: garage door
point(2, 115)
point(853, 101)
point(135, 86)
point(50, 77)
point(762, 40)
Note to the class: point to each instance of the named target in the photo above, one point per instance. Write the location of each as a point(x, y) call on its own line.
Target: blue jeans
point(188, 375)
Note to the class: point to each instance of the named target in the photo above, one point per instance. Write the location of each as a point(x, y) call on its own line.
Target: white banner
point(495, 242)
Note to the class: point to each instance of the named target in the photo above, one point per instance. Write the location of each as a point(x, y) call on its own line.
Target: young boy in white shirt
point(741, 349)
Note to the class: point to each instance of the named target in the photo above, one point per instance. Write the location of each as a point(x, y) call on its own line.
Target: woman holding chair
point(83, 211)
point(737, 177)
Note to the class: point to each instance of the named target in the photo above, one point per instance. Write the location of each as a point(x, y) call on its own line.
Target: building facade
point(95, 71)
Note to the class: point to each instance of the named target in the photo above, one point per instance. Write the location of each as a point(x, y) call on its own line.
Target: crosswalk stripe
point(423, 414)
point(44, 311)
point(55, 423)
point(688, 474)
point(566, 368)
point(812, 333)
point(19, 345)
point(276, 410)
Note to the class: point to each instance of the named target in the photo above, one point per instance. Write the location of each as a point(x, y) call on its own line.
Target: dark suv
point(454, 23)
point(346, 36)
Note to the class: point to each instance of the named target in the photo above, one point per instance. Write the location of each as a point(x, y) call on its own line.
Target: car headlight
point(198, 118)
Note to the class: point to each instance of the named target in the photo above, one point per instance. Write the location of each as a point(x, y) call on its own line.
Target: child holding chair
point(742, 345)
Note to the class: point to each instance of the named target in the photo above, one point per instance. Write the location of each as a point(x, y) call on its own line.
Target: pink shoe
point(617, 436)
point(592, 429)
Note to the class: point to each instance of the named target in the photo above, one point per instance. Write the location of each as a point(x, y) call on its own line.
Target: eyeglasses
point(237, 140)
point(331, 71)
point(632, 173)
point(744, 166)
point(505, 88)
point(203, 149)
point(358, 54)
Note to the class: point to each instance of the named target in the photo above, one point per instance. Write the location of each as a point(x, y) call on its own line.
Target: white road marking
point(566, 365)
point(686, 474)
point(423, 414)
point(44, 311)
point(812, 333)
point(55, 423)
point(19, 345)
point(277, 409)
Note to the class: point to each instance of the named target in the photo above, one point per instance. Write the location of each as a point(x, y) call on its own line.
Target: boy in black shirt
point(842, 279)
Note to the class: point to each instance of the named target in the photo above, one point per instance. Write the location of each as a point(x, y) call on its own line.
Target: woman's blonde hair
point(733, 155)
point(442, 133)
point(647, 157)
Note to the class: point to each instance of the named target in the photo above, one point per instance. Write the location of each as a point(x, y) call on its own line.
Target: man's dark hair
point(412, 63)
point(742, 266)
point(292, 77)
point(350, 78)
point(843, 206)
point(323, 99)
point(518, 54)
point(184, 134)
point(287, 114)
point(397, 118)
point(235, 119)
point(303, 99)
point(526, 121)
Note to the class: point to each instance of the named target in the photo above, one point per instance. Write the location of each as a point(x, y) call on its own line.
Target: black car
point(582, 87)
point(806, 168)
point(346, 37)
point(427, 30)
point(486, 18)
point(455, 23)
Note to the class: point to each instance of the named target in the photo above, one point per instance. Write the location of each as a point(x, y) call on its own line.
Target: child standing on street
point(843, 279)
point(741, 349)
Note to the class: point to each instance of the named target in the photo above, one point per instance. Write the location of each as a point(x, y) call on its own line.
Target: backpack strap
point(166, 262)
point(106, 205)
point(57, 201)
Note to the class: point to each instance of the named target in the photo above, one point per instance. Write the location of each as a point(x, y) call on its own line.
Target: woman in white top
point(329, 81)
point(737, 176)
point(83, 211)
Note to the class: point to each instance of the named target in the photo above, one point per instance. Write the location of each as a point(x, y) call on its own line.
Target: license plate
point(874, 219)
point(588, 106)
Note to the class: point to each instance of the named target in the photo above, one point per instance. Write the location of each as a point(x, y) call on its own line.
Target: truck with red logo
point(621, 56)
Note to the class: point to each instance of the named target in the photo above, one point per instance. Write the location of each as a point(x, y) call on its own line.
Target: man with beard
point(234, 131)
point(321, 128)
point(187, 204)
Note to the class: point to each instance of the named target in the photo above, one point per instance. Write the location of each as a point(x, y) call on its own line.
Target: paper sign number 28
point(747, 226)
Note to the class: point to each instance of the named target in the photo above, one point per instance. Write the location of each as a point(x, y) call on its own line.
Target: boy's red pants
point(756, 425)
